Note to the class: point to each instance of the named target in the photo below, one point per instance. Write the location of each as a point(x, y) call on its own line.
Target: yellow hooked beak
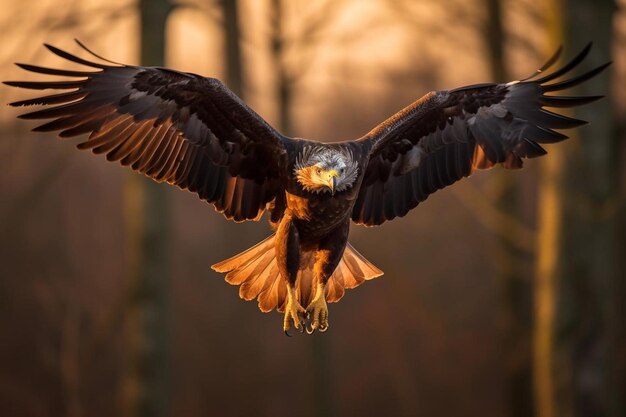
point(332, 179)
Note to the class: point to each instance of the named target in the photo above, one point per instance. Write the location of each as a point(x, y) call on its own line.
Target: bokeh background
point(502, 295)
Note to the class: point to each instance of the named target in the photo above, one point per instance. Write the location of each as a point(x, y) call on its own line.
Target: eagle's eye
point(341, 170)
point(319, 171)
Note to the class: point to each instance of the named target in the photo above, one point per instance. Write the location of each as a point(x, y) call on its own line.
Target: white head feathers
point(326, 169)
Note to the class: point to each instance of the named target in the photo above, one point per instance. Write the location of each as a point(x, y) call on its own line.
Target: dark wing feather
point(176, 127)
point(447, 135)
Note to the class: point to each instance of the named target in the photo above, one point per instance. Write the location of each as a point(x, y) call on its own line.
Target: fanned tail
point(256, 272)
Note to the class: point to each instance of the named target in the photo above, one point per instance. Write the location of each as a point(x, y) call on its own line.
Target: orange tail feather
point(256, 272)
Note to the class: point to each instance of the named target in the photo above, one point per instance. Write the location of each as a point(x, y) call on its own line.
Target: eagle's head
point(320, 169)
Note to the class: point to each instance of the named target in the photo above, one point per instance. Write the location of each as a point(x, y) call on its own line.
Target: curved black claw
point(287, 333)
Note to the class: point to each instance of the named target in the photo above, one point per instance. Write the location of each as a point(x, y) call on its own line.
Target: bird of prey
point(193, 132)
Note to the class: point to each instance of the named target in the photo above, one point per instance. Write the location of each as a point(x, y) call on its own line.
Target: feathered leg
point(288, 260)
point(327, 258)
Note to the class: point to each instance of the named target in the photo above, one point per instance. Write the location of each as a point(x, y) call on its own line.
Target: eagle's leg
point(293, 312)
point(288, 260)
point(317, 310)
point(327, 258)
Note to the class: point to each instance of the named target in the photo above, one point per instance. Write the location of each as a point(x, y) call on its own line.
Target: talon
point(293, 314)
point(310, 331)
point(287, 333)
point(318, 312)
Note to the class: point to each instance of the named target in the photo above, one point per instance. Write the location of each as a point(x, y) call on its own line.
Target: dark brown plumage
point(193, 132)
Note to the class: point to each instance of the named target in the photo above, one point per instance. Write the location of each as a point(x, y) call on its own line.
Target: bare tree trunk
point(588, 322)
point(145, 390)
point(70, 361)
point(549, 241)
point(232, 46)
point(283, 81)
point(493, 35)
point(577, 368)
point(510, 259)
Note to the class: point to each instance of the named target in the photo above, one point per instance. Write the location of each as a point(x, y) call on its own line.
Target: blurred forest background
point(503, 295)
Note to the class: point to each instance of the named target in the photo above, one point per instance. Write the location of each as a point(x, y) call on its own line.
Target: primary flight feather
point(193, 132)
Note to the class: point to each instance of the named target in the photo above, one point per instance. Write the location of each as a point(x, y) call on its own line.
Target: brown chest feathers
point(318, 214)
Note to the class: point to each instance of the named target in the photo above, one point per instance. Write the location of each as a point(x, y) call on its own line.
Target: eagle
point(193, 132)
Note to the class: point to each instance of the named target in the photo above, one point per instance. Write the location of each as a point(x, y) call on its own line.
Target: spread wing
point(172, 126)
point(447, 135)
